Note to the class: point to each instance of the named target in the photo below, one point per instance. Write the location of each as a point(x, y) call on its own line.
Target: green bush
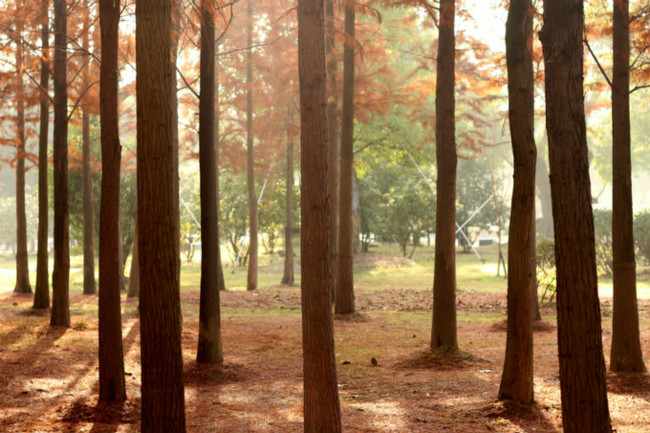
point(603, 233)
point(642, 235)
point(545, 261)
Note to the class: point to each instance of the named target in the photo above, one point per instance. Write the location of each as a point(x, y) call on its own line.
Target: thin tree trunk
point(252, 198)
point(22, 264)
point(443, 333)
point(120, 249)
point(222, 282)
point(86, 177)
point(626, 352)
point(60, 314)
point(545, 228)
point(111, 352)
point(42, 292)
point(88, 210)
point(209, 345)
point(163, 406)
point(322, 412)
point(517, 378)
point(583, 381)
point(288, 276)
point(345, 283)
point(334, 145)
point(134, 276)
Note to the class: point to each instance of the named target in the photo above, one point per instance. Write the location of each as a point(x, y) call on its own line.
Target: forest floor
point(48, 376)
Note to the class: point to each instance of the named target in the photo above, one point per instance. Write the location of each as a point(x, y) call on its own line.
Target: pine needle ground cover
point(48, 376)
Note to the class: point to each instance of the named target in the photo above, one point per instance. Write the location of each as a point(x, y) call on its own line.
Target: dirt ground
point(48, 376)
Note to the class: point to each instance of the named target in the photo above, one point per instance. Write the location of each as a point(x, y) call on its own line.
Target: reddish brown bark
point(288, 275)
point(42, 291)
point(322, 412)
point(583, 381)
point(443, 333)
point(163, 405)
point(517, 379)
point(252, 197)
point(60, 314)
point(345, 280)
point(111, 353)
point(626, 352)
point(209, 345)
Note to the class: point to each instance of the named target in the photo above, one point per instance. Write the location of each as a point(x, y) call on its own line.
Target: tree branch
point(597, 62)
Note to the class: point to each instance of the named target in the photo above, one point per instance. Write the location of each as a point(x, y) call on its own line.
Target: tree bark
point(345, 283)
point(134, 275)
point(42, 291)
point(252, 198)
point(517, 378)
point(443, 333)
point(22, 263)
point(60, 314)
point(334, 145)
point(209, 346)
point(163, 406)
point(322, 412)
point(583, 381)
point(626, 352)
point(222, 282)
point(111, 353)
point(288, 276)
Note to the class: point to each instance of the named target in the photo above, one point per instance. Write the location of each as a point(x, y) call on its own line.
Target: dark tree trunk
point(111, 353)
point(88, 211)
point(60, 314)
point(626, 352)
point(22, 264)
point(134, 276)
point(517, 379)
point(209, 346)
point(42, 292)
point(288, 276)
point(163, 403)
point(443, 333)
point(86, 177)
point(252, 198)
point(334, 146)
point(345, 283)
point(322, 410)
point(583, 381)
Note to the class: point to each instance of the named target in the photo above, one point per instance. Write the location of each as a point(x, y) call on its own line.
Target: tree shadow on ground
point(529, 418)
point(636, 384)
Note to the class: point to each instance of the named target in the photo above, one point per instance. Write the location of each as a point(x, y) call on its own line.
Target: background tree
point(42, 290)
point(517, 378)
point(345, 283)
point(443, 333)
point(583, 382)
point(252, 197)
point(22, 266)
point(209, 346)
point(322, 411)
point(163, 406)
point(626, 343)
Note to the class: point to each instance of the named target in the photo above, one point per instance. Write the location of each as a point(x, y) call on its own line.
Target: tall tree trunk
point(209, 346)
point(163, 405)
point(345, 283)
point(288, 276)
point(443, 333)
point(134, 276)
point(252, 198)
point(545, 227)
point(111, 353)
point(222, 282)
point(322, 411)
point(517, 379)
point(22, 265)
point(626, 352)
point(60, 314)
point(120, 248)
point(42, 292)
point(583, 381)
point(334, 145)
point(86, 177)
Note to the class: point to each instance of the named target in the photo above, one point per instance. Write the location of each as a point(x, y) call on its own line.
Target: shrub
point(603, 233)
point(642, 235)
point(545, 261)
